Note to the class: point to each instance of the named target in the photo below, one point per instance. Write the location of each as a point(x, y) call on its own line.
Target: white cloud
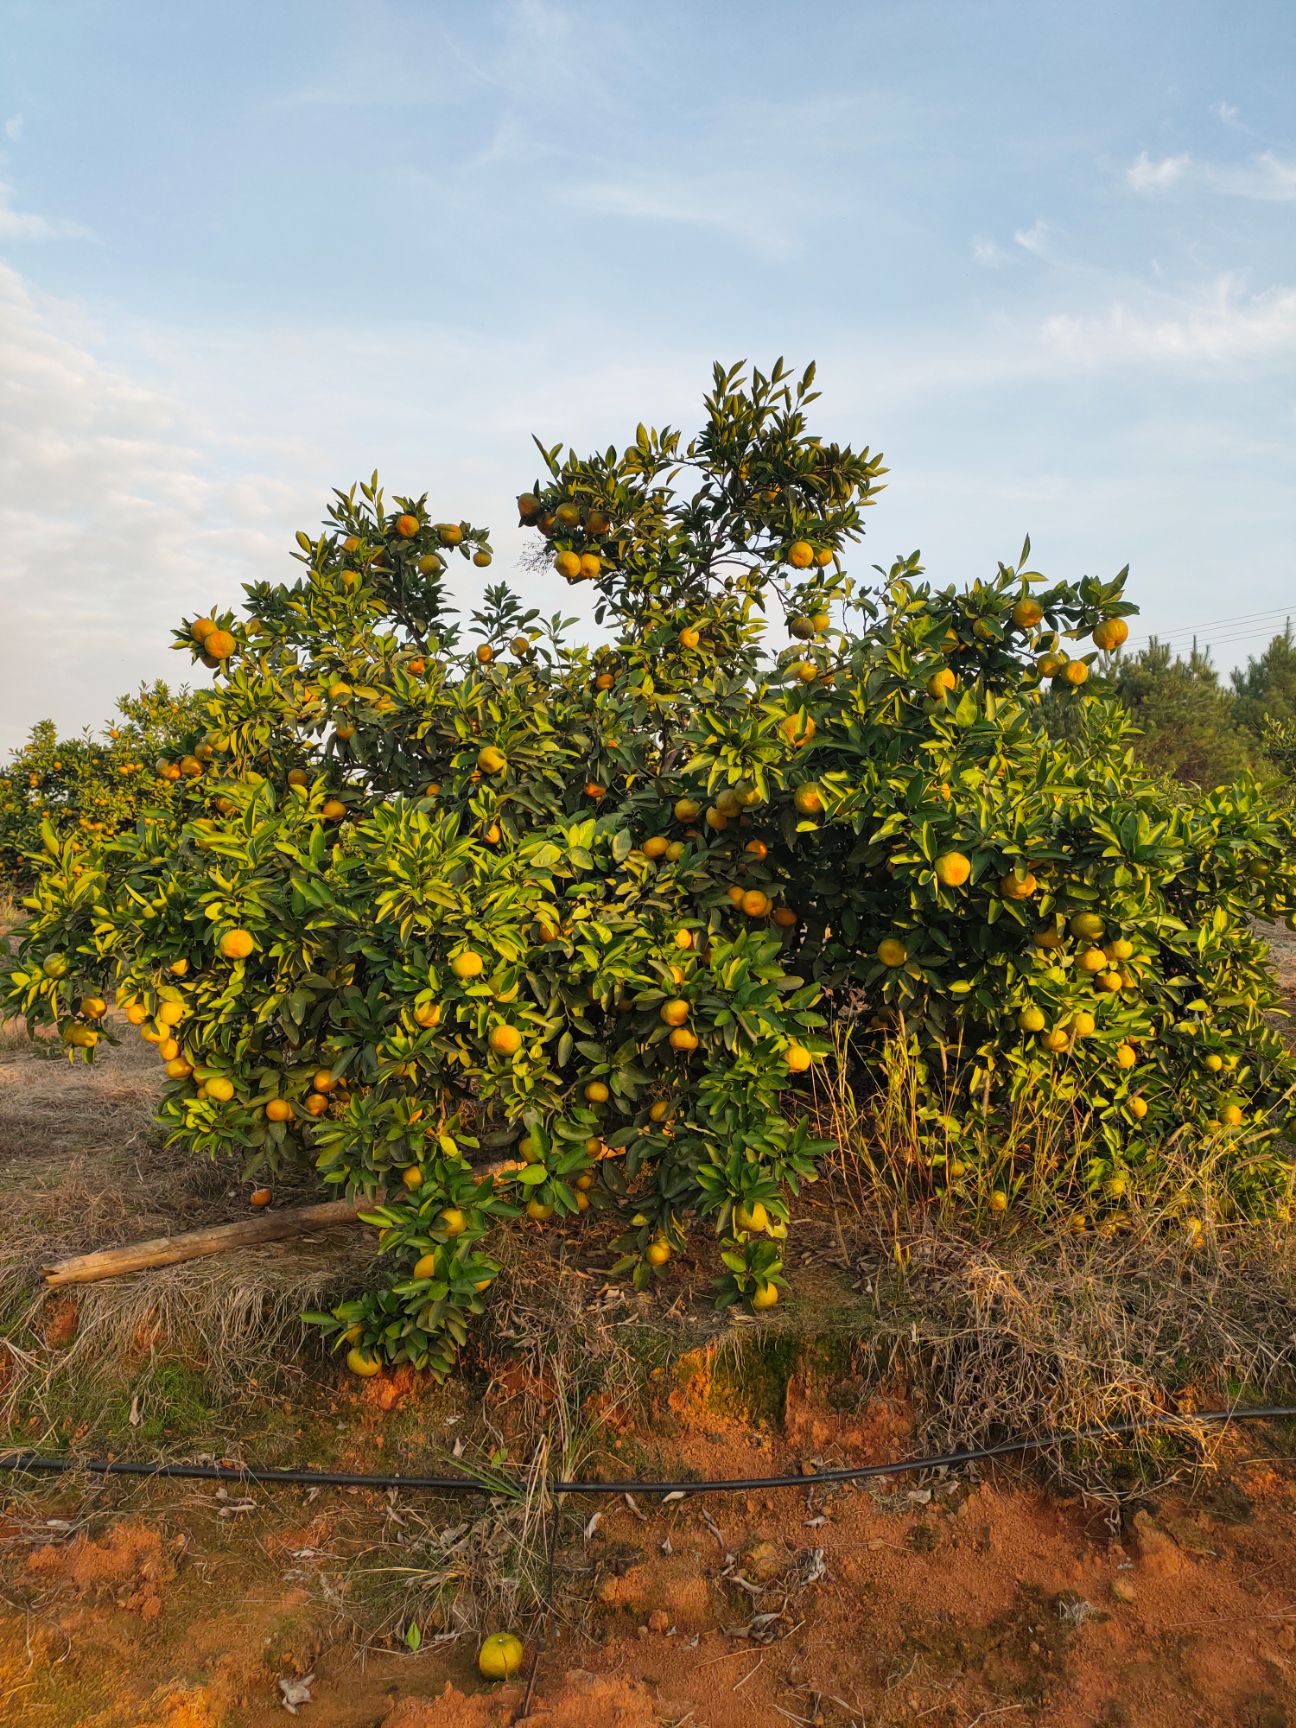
point(1266, 177)
point(26, 225)
point(736, 205)
point(110, 516)
point(1033, 239)
point(13, 127)
point(989, 255)
point(1223, 326)
point(1145, 175)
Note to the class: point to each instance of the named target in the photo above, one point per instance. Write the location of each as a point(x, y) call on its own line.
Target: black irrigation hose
point(250, 1473)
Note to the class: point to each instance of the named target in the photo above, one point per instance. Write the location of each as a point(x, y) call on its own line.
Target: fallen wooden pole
point(195, 1244)
point(216, 1238)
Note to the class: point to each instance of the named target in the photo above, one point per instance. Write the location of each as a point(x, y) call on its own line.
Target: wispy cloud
point(27, 225)
point(1225, 325)
point(1033, 239)
point(727, 204)
point(988, 253)
point(1265, 177)
point(1228, 115)
point(1145, 175)
point(13, 127)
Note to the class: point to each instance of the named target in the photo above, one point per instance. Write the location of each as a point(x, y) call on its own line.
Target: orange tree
point(453, 896)
point(89, 785)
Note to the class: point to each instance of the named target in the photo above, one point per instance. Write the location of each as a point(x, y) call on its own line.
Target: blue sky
point(1046, 260)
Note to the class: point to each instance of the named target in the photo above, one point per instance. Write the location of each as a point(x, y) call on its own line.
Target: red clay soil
point(945, 1604)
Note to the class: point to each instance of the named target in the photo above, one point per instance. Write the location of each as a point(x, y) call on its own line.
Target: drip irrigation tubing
point(37, 1462)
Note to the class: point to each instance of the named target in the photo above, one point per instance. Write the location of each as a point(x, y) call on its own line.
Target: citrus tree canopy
point(463, 893)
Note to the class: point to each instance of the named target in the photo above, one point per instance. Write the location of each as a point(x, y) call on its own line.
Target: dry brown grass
point(83, 1169)
point(1062, 1314)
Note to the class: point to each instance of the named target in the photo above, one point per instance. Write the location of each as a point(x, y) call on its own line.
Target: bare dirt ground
point(949, 1600)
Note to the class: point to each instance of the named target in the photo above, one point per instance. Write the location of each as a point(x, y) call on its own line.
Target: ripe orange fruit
point(1075, 672)
point(490, 760)
point(467, 964)
point(941, 682)
point(219, 645)
point(765, 1296)
point(279, 1110)
point(1110, 634)
point(501, 1655)
point(591, 566)
point(1031, 1019)
point(453, 1221)
point(891, 951)
point(682, 1039)
point(1088, 925)
point(657, 1253)
point(689, 637)
point(800, 555)
point(427, 1015)
point(316, 1104)
point(798, 728)
point(755, 904)
point(674, 1012)
point(784, 917)
point(1081, 1025)
point(363, 1363)
point(450, 532)
point(1137, 1107)
point(333, 809)
point(485, 653)
point(170, 1013)
point(505, 1040)
point(687, 809)
point(1055, 1040)
point(568, 566)
point(594, 790)
point(407, 526)
point(952, 869)
point(260, 1197)
point(808, 799)
point(178, 1069)
point(520, 645)
point(237, 944)
point(596, 1092)
point(656, 846)
point(1014, 887)
point(798, 1058)
point(220, 1088)
point(757, 849)
point(1092, 960)
point(481, 558)
point(1027, 613)
point(1126, 1056)
point(201, 628)
point(540, 1210)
